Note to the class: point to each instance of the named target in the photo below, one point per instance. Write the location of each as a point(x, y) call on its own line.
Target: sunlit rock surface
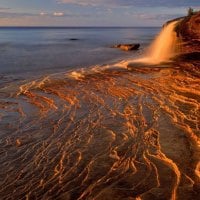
point(109, 134)
point(189, 32)
point(127, 47)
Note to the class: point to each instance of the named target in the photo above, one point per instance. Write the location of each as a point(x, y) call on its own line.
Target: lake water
point(49, 50)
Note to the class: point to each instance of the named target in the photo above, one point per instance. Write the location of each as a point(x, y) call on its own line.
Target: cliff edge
point(188, 30)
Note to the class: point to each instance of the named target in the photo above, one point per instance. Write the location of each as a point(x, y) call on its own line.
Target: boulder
point(127, 47)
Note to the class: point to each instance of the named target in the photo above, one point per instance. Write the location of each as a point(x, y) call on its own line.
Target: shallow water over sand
point(109, 134)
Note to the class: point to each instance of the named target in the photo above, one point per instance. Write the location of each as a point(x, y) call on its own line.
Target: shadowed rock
point(193, 56)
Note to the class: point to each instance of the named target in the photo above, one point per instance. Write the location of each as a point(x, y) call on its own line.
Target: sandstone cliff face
point(188, 30)
point(190, 27)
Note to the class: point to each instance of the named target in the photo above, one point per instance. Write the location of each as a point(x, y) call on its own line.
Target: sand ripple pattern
point(109, 135)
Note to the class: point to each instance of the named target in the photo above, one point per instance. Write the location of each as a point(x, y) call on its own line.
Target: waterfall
point(163, 47)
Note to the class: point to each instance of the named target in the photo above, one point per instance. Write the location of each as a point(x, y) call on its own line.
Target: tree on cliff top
point(190, 11)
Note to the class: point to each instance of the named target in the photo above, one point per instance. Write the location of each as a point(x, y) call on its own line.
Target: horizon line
point(80, 26)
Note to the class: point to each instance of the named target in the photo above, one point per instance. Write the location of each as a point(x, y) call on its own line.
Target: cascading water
point(163, 48)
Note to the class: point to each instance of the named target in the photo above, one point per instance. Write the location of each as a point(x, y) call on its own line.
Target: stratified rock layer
point(189, 32)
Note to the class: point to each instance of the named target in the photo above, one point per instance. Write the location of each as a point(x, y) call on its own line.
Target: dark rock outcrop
point(127, 47)
point(73, 39)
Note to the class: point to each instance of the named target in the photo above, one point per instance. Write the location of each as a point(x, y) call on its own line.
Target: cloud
point(10, 15)
point(5, 14)
point(15, 14)
point(135, 3)
point(4, 9)
point(162, 17)
point(82, 2)
point(43, 13)
point(58, 14)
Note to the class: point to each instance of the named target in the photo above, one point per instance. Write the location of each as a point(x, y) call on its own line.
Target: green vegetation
point(190, 11)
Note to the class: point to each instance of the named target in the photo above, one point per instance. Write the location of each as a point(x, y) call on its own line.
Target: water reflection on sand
point(110, 134)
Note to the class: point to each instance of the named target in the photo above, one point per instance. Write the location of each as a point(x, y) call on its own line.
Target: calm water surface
point(50, 49)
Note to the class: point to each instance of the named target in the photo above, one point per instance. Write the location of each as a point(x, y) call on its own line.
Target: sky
point(92, 12)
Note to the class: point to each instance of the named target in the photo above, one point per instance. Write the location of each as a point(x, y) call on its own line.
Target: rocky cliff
point(188, 30)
